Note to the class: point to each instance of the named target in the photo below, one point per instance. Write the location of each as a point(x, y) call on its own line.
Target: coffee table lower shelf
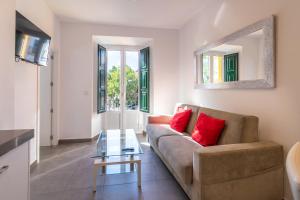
point(103, 163)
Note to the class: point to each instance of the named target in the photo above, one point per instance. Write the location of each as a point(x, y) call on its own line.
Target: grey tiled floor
point(65, 173)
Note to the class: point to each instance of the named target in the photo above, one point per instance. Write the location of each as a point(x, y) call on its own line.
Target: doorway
point(122, 92)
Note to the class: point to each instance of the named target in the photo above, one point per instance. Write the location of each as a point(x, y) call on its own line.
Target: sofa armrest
point(224, 163)
point(159, 119)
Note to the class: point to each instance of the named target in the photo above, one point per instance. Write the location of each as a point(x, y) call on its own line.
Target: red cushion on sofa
point(207, 130)
point(180, 120)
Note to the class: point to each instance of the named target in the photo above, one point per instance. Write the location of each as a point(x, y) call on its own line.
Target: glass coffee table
point(117, 147)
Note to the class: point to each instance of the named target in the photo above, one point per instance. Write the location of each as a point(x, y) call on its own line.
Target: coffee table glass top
point(118, 143)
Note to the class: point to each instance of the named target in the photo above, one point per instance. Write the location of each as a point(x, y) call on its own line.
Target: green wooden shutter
point(145, 80)
point(231, 63)
point(101, 85)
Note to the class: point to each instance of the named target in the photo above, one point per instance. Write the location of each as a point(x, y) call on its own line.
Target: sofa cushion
point(155, 131)
point(207, 130)
point(180, 120)
point(234, 124)
point(178, 152)
point(193, 118)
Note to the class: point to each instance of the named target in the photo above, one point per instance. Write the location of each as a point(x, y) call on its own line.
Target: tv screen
point(32, 44)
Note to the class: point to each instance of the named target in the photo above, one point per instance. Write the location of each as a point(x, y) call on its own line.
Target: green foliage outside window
point(132, 87)
point(113, 88)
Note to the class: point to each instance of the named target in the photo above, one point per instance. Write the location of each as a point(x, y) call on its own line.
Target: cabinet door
point(14, 181)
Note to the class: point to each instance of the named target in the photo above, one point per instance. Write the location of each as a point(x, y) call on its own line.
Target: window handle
point(3, 169)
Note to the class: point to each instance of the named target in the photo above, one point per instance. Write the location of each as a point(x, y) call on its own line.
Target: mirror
point(244, 59)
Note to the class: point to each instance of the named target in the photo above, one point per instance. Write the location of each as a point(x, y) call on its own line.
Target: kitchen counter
point(11, 139)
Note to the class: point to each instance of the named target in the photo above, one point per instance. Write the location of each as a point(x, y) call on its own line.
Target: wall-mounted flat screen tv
point(32, 44)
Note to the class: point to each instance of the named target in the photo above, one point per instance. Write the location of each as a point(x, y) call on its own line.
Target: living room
point(68, 108)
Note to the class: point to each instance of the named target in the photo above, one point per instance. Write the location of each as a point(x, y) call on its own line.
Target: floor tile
point(124, 192)
point(163, 190)
point(49, 196)
point(117, 179)
point(66, 173)
point(80, 194)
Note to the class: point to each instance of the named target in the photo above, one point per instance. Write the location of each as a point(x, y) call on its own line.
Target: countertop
point(11, 139)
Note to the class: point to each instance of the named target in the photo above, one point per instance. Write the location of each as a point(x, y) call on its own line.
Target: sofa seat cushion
point(178, 152)
point(155, 131)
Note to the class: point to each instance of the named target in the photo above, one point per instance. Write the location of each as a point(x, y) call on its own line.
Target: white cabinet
point(14, 178)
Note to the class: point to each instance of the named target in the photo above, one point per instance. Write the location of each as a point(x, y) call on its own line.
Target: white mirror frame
point(268, 27)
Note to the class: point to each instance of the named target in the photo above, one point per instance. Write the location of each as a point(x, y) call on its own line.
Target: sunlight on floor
point(145, 144)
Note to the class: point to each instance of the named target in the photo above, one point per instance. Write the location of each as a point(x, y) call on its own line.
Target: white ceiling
point(141, 13)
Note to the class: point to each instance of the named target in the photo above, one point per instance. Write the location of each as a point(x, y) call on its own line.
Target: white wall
point(32, 88)
point(18, 81)
point(56, 78)
point(26, 110)
point(278, 109)
point(77, 111)
point(7, 61)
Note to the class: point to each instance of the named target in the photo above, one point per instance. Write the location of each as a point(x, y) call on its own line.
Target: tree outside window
point(113, 88)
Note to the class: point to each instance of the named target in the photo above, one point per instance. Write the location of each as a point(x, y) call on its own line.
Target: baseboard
point(70, 141)
point(33, 165)
point(95, 137)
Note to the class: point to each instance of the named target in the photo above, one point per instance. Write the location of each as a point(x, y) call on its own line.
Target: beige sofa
point(238, 168)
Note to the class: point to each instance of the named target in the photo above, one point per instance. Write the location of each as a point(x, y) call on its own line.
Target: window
point(113, 81)
point(206, 69)
point(101, 85)
point(116, 78)
point(132, 80)
point(217, 69)
point(144, 80)
point(212, 66)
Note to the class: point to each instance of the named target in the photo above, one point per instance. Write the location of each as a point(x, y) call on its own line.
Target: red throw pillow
point(180, 120)
point(207, 130)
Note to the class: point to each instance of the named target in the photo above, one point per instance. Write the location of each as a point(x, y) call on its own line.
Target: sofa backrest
point(238, 128)
point(194, 117)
